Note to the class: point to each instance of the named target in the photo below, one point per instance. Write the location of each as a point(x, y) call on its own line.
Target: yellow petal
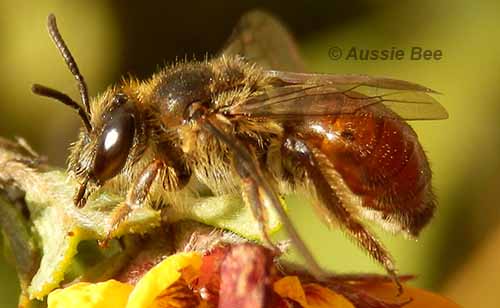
point(420, 298)
point(161, 277)
point(310, 295)
point(110, 293)
point(290, 287)
point(321, 297)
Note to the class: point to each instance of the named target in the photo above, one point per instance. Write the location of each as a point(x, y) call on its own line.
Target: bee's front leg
point(136, 196)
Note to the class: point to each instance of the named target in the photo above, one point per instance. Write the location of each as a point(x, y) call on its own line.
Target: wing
point(261, 38)
point(298, 95)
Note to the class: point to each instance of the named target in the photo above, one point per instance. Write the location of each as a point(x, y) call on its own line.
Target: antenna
point(63, 98)
point(70, 61)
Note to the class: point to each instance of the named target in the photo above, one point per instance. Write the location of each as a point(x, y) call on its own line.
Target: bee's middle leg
point(254, 200)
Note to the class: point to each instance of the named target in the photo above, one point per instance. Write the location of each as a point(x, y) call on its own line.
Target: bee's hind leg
point(322, 174)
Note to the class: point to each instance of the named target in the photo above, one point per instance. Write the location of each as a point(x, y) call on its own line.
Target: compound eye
point(114, 144)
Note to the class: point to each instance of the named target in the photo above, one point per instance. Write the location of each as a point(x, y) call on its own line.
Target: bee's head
point(112, 139)
point(111, 147)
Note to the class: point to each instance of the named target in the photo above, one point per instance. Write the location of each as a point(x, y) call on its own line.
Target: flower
point(152, 290)
point(241, 275)
point(309, 295)
point(110, 293)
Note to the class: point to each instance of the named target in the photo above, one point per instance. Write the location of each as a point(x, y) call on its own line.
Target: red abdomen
point(381, 160)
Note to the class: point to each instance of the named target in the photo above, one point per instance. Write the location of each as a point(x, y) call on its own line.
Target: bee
point(251, 121)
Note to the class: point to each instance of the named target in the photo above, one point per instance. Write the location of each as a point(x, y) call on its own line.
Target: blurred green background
point(457, 253)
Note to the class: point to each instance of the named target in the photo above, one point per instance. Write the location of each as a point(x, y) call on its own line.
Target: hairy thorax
point(196, 160)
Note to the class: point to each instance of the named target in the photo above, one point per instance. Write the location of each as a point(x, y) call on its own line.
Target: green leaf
point(226, 212)
point(61, 226)
point(23, 247)
point(58, 226)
